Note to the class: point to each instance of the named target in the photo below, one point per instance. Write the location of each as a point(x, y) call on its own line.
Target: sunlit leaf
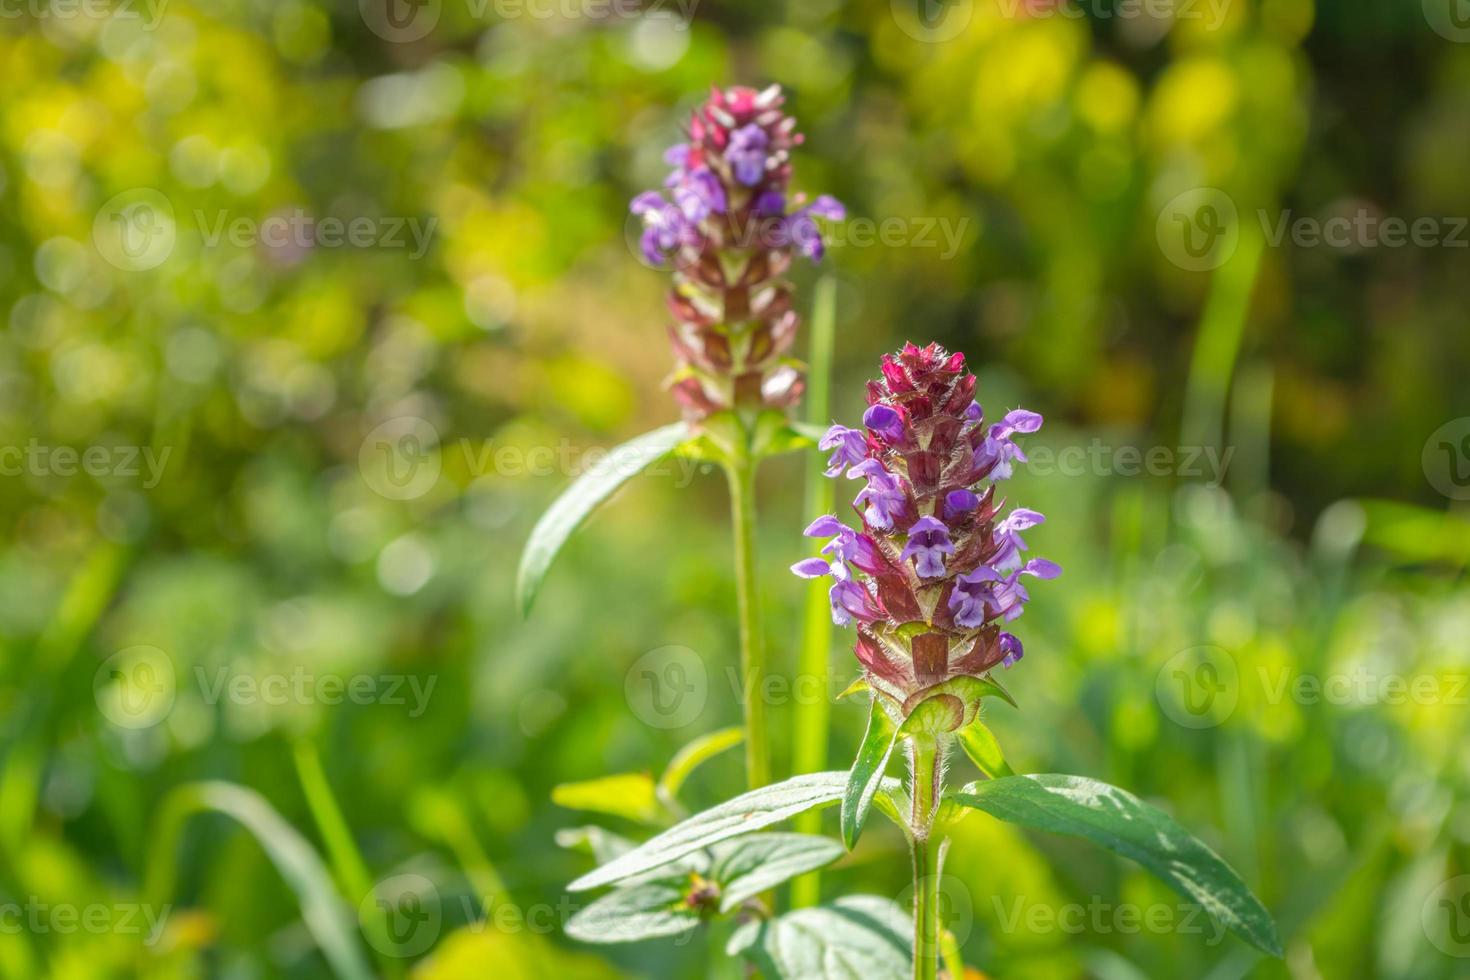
point(1121, 822)
point(745, 813)
point(630, 795)
point(627, 915)
point(861, 937)
point(980, 745)
point(747, 866)
point(582, 497)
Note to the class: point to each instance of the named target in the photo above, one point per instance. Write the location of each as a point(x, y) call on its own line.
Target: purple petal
point(825, 526)
point(885, 421)
point(974, 413)
point(1042, 568)
point(1020, 420)
point(812, 567)
point(1012, 648)
point(958, 502)
point(827, 206)
point(1021, 518)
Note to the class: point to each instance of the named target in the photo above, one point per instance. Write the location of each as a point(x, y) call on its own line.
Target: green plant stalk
point(741, 473)
point(809, 728)
point(926, 767)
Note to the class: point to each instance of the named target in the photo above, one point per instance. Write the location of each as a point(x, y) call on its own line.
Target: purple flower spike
point(928, 543)
point(850, 447)
point(747, 154)
point(1010, 645)
point(884, 494)
point(885, 421)
point(959, 502)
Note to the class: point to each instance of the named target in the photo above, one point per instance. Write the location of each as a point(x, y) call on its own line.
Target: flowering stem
point(741, 473)
point(926, 767)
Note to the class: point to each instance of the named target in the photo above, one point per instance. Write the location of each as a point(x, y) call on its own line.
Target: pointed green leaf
point(856, 687)
point(745, 813)
point(861, 937)
point(980, 745)
point(867, 772)
point(629, 795)
point(935, 715)
point(629, 914)
point(747, 866)
point(1121, 822)
point(691, 756)
point(582, 497)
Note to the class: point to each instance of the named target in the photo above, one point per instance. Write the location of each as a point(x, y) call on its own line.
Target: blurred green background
point(210, 487)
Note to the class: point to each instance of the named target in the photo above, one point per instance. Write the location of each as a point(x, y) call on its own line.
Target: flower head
point(936, 571)
point(729, 227)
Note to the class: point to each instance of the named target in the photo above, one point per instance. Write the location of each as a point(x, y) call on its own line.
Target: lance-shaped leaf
point(630, 795)
point(1124, 824)
point(866, 774)
point(980, 745)
point(582, 497)
point(747, 866)
point(629, 914)
point(745, 813)
point(861, 937)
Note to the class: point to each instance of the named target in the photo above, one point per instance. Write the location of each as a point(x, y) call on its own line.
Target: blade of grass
point(809, 753)
point(326, 916)
point(342, 851)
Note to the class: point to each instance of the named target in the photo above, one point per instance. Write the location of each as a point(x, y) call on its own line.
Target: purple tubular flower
point(850, 447)
point(802, 230)
point(1008, 537)
point(849, 599)
point(747, 153)
point(698, 194)
point(884, 494)
point(998, 453)
point(1010, 645)
point(928, 543)
point(971, 597)
point(974, 413)
point(885, 421)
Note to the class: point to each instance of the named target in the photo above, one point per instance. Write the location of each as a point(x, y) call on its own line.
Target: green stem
point(926, 768)
point(741, 473)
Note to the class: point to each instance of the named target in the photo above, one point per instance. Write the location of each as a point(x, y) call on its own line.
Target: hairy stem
point(926, 767)
point(741, 473)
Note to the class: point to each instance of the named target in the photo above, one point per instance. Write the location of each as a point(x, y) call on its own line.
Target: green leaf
point(747, 866)
point(582, 497)
point(861, 937)
point(691, 756)
point(980, 745)
point(775, 434)
point(745, 813)
point(867, 772)
point(630, 914)
point(935, 715)
point(630, 795)
point(326, 916)
point(1121, 822)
